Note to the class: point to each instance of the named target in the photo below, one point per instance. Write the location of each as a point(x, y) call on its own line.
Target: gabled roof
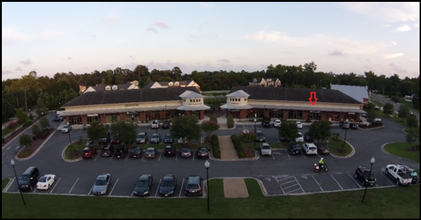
point(190, 94)
point(295, 94)
point(182, 83)
point(238, 93)
point(129, 96)
point(359, 93)
point(110, 87)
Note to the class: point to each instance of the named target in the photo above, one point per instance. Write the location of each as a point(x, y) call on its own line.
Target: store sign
point(92, 115)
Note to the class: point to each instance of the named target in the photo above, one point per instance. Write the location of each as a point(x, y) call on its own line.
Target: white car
point(300, 138)
point(155, 124)
point(66, 128)
point(265, 149)
point(46, 181)
point(299, 124)
point(277, 123)
point(309, 148)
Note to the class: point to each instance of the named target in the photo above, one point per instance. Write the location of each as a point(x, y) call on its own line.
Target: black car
point(202, 152)
point(169, 150)
point(168, 139)
point(165, 125)
point(29, 179)
point(323, 148)
point(136, 152)
point(260, 137)
point(58, 119)
point(186, 152)
point(107, 150)
point(294, 148)
point(168, 185)
point(266, 123)
point(353, 126)
point(365, 176)
point(194, 186)
point(143, 185)
point(121, 151)
point(307, 138)
point(284, 139)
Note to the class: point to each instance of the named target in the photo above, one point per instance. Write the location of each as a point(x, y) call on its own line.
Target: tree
point(288, 129)
point(186, 127)
point(209, 127)
point(96, 131)
point(320, 130)
point(22, 115)
point(412, 121)
point(372, 114)
point(403, 111)
point(388, 108)
point(25, 140)
point(412, 136)
point(44, 123)
point(25, 84)
point(124, 132)
point(36, 131)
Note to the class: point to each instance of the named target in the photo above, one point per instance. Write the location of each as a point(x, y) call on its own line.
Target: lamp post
point(255, 119)
point(68, 131)
point(369, 175)
point(346, 130)
point(12, 162)
point(207, 165)
point(157, 141)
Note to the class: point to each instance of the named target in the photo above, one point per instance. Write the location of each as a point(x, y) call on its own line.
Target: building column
point(103, 118)
point(286, 114)
point(84, 119)
point(122, 116)
point(324, 116)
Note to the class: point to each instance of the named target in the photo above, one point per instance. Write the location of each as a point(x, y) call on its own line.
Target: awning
point(193, 108)
point(308, 108)
point(238, 107)
point(116, 110)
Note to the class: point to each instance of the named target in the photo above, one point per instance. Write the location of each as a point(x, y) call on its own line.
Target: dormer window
point(107, 88)
point(170, 84)
point(114, 87)
point(176, 83)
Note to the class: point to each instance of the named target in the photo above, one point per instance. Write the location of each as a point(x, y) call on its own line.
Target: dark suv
point(193, 186)
point(107, 150)
point(121, 151)
point(29, 179)
point(365, 176)
point(169, 151)
point(294, 148)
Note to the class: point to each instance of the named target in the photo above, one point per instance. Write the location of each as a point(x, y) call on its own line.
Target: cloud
point(18, 69)
point(397, 69)
point(11, 35)
point(206, 5)
point(224, 61)
point(277, 37)
point(25, 62)
point(391, 56)
point(130, 56)
point(394, 43)
point(152, 30)
point(6, 72)
point(336, 52)
point(111, 19)
point(161, 25)
point(387, 11)
point(403, 28)
point(69, 58)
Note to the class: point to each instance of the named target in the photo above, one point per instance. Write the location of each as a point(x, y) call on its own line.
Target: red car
point(88, 152)
point(202, 153)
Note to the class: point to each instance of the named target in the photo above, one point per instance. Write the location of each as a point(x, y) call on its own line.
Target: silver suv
point(142, 138)
point(265, 149)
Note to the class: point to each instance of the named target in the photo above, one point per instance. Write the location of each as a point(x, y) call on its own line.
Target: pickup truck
point(399, 174)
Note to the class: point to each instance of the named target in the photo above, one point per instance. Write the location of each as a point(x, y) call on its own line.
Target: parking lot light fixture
point(369, 175)
point(207, 165)
point(12, 162)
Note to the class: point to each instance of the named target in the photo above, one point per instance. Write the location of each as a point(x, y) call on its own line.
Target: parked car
point(155, 138)
point(155, 124)
point(89, 152)
point(166, 125)
point(266, 123)
point(283, 139)
point(182, 140)
point(353, 126)
point(193, 186)
point(168, 139)
point(66, 129)
point(309, 148)
point(307, 137)
point(58, 119)
point(136, 152)
point(300, 137)
point(344, 124)
point(168, 185)
point(29, 179)
point(143, 185)
point(277, 123)
point(121, 151)
point(202, 152)
point(151, 152)
point(46, 181)
point(102, 184)
point(294, 148)
point(107, 150)
point(265, 149)
point(260, 137)
point(414, 174)
point(142, 138)
point(169, 150)
point(299, 124)
point(365, 176)
point(186, 152)
point(322, 148)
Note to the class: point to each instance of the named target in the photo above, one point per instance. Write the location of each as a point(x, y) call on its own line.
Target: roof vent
point(107, 88)
point(115, 87)
point(170, 84)
point(176, 83)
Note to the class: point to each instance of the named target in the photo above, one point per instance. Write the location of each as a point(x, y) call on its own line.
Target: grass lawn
point(404, 150)
point(378, 203)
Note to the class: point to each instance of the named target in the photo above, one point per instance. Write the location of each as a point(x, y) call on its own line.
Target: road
point(280, 173)
point(397, 106)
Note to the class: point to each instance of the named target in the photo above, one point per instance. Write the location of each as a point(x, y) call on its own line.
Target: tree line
point(45, 93)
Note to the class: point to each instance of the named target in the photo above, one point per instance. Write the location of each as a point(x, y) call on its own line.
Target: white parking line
point(354, 180)
point(157, 189)
point(73, 185)
point(181, 188)
point(336, 181)
point(55, 184)
point(160, 153)
point(114, 184)
point(317, 183)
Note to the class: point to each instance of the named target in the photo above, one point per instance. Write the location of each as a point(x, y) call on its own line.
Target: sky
point(79, 37)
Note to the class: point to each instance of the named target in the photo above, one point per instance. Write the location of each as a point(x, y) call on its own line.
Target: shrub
point(215, 147)
point(12, 125)
point(237, 145)
point(395, 99)
point(230, 121)
point(28, 123)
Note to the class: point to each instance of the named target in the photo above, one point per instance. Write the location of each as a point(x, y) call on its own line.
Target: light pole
point(68, 131)
point(157, 141)
point(255, 119)
point(207, 165)
point(17, 181)
point(346, 130)
point(369, 175)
